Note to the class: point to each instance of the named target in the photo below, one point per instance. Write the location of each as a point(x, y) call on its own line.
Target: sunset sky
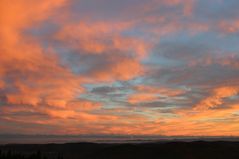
point(144, 67)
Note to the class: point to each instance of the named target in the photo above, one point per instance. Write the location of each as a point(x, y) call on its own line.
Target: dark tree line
point(37, 155)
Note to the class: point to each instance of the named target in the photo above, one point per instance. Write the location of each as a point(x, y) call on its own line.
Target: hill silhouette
point(160, 150)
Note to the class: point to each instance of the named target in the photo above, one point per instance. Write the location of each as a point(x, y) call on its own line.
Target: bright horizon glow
point(129, 67)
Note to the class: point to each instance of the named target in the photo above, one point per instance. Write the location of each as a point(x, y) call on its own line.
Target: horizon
point(107, 139)
point(130, 67)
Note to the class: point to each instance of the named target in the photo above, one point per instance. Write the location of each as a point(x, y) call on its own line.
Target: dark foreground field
point(169, 150)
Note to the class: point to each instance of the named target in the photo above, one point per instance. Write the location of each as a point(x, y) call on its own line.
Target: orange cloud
point(200, 123)
point(22, 99)
point(99, 37)
point(148, 93)
point(122, 53)
point(20, 14)
point(83, 105)
point(163, 91)
point(119, 69)
point(35, 72)
point(229, 27)
point(216, 98)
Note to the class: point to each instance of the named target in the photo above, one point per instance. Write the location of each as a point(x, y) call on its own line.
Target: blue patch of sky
point(216, 9)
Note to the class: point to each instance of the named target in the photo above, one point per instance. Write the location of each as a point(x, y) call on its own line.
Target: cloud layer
point(119, 67)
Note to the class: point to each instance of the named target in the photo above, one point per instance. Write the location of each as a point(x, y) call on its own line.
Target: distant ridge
point(168, 150)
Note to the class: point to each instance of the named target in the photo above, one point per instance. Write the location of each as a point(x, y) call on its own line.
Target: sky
point(130, 67)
